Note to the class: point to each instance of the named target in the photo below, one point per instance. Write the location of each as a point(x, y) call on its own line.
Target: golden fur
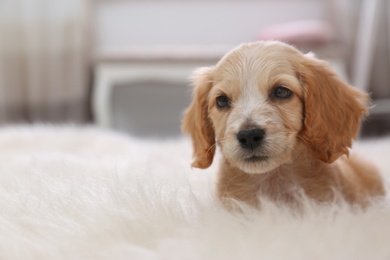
point(307, 135)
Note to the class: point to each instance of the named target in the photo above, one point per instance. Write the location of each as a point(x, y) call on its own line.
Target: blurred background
point(125, 64)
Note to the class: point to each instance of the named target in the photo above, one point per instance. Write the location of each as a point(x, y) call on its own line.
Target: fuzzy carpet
point(71, 193)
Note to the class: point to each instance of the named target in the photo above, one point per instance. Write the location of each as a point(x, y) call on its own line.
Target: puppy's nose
point(250, 139)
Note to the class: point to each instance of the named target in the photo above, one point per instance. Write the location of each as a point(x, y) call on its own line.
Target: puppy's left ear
point(196, 120)
point(332, 110)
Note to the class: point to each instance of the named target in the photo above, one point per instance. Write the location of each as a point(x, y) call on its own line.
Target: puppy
point(283, 122)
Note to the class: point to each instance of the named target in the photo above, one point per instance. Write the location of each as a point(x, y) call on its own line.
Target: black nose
point(251, 139)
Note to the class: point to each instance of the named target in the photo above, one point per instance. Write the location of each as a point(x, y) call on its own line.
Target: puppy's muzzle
point(251, 138)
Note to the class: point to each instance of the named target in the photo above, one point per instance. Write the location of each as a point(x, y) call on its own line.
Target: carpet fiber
point(82, 193)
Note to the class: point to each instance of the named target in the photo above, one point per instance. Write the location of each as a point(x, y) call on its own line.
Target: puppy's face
point(255, 107)
point(265, 99)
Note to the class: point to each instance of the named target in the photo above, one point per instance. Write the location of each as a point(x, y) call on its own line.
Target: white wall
point(122, 23)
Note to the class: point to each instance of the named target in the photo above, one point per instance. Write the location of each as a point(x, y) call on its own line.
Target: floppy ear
point(197, 123)
point(332, 110)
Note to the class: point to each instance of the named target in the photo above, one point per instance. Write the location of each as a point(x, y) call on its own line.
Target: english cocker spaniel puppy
point(283, 122)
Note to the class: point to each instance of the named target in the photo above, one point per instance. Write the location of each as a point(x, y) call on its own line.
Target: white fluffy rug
point(70, 193)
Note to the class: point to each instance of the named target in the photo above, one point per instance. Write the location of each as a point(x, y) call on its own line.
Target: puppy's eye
point(223, 102)
point(281, 92)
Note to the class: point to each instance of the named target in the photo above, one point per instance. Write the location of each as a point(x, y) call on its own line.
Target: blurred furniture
point(144, 90)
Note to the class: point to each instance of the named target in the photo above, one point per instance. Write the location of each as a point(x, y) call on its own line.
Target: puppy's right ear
point(196, 121)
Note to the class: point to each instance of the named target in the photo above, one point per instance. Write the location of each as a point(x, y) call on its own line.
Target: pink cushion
point(299, 32)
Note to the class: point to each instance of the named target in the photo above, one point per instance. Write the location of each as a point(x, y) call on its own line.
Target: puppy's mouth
point(256, 158)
